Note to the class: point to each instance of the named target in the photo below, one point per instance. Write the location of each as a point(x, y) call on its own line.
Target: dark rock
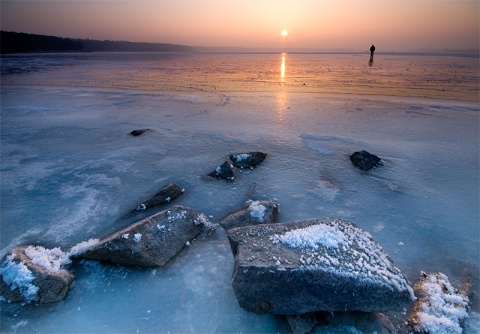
point(138, 132)
point(26, 279)
point(247, 160)
point(152, 241)
point(314, 265)
point(225, 172)
point(252, 213)
point(165, 195)
point(365, 160)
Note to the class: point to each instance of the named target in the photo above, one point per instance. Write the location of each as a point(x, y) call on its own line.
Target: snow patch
point(257, 210)
point(137, 237)
point(17, 275)
point(443, 309)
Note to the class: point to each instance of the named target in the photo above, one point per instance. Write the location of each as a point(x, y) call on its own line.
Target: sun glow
point(284, 33)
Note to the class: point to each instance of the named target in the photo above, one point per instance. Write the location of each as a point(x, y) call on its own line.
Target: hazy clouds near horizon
point(393, 25)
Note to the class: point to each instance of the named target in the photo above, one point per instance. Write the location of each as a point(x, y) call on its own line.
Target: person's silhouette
point(372, 50)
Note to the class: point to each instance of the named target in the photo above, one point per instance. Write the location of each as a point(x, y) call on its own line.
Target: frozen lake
point(70, 171)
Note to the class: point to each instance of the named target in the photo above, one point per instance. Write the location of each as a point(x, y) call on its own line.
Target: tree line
point(14, 42)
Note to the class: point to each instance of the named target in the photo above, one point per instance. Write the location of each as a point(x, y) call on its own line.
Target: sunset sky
point(392, 25)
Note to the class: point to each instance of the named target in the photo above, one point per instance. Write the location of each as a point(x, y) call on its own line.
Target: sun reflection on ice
point(281, 96)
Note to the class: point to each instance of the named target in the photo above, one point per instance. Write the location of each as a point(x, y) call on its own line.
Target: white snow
point(51, 260)
point(82, 247)
point(257, 210)
point(312, 236)
point(137, 237)
point(444, 309)
point(17, 275)
point(241, 157)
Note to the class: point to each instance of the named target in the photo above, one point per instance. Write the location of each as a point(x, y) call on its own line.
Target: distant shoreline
point(25, 43)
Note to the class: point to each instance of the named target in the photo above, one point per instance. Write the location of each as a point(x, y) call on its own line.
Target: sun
point(284, 33)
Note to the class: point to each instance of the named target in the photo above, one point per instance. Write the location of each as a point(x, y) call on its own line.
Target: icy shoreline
point(69, 171)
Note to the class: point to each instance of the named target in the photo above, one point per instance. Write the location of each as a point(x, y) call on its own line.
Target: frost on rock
point(439, 308)
point(34, 273)
point(224, 171)
point(291, 268)
point(247, 160)
point(164, 196)
point(162, 236)
point(252, 213)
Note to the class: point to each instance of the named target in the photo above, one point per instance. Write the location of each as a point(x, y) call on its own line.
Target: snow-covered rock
point(314, 265)
point(247, 160)
point(440, 308)
point(164, 196)
point(365, 160)
point(252, 213)
point(224, 171)
point(35, 274)
point(152, 241)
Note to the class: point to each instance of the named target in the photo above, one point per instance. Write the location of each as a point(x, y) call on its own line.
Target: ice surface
point(70, 172)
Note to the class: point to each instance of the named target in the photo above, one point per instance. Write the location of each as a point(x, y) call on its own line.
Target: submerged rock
point(247, 160)
point(314, 265)
point(365, 160)
point(138, 132)
point(439, 308)
point(165, 195)
point(152, 241)
point(34, 274)
point(252, 213)
point(358, 321)
point(224, 171)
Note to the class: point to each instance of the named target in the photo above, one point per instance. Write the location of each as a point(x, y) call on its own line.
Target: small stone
point(224, 171)
point(365, 160)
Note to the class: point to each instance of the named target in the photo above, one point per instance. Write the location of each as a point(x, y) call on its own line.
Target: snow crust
point(444, 309)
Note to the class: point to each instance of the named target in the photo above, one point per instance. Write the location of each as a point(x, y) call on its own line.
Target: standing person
point(372, 50)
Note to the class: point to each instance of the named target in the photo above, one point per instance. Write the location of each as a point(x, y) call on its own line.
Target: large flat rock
point(314, 265)
point(150, 242)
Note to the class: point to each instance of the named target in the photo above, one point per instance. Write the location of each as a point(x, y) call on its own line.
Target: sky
point(392, 25)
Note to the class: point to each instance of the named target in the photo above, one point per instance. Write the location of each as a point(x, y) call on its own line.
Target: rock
point(305, 323)
point(152, 241)
point(363, 322)
point(165, 195)
point(365, 160)
point(314, 265)
point(440, 308)
point(247, 160)
point(34, 274)
point(329, 321)
point(138, 132)
point(252, 213)
point(225, 172)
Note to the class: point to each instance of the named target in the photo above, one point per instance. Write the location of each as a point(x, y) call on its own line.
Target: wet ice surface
point(70, 171)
